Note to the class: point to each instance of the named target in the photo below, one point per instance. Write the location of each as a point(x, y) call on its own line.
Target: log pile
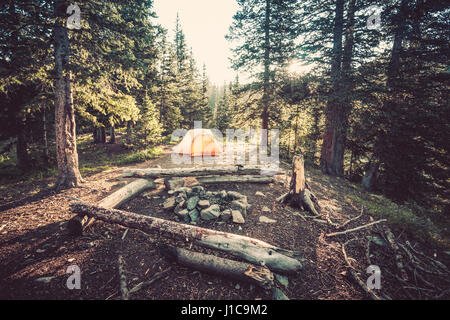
point(252, 250)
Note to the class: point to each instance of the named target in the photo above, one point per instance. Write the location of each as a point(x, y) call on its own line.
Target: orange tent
point(198, 142)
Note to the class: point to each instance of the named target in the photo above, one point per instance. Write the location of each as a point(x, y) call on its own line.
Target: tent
point(199, 142)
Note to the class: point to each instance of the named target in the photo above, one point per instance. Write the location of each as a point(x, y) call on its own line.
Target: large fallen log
point(243, 179)
point(80, 222)
point(236, 270)
point(191, 172)
point(300, 194)
point(250, 249)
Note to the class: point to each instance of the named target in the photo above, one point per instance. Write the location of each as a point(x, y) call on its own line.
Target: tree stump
point(300, 194)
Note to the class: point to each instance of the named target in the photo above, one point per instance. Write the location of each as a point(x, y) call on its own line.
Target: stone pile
point(192, 204)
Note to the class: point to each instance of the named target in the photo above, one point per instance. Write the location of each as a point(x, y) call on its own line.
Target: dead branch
point(147, 283)
point(123, 279)
point(355, 229)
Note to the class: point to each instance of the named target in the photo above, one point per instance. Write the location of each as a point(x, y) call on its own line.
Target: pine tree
point(266, 31)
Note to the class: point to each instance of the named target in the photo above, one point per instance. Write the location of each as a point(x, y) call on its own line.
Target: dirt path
point(35, 250)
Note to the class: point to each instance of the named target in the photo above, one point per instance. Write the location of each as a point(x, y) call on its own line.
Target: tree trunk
point(266, 80)
point(112, 135)
point(66, 141)
point(331, 160)
point(250, 249)
point(190, 172)
point(392, 74)
point(235, 270)
point(299, 194)
point(44, 136)
point(23, 159)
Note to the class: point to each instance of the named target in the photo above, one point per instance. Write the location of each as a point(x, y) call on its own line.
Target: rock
point(192, 202)
point(209, 194)
point(171, 192)
point(226, 215)
point(237, 286)
point(266, 220)
point(198, 190)
point(282, 279)
point(169, 203)
point(202, 204)
point(239, 205)
point(222, 194)
point(213, 212)
point(233, 195)
point(259, 193)
point(184, 215)
point(180, 198)
point(71, 260)
point(266, 209)
point(44, 279)
point(185, 190)
point(174, 183)
point(40, 250)
point(194, 215)
point(237, 216)
point(179, 207)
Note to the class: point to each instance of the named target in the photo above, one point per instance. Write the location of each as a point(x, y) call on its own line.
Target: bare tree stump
point(300, 194)
point(236, 270)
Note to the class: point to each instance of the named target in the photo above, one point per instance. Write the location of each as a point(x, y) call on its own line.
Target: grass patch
point(407, 218)
point(138, 156)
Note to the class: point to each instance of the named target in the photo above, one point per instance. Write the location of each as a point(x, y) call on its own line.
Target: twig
point(355, 229)
point(355, 277)
point(398, 257)
point(144, 284)
point(123, 279)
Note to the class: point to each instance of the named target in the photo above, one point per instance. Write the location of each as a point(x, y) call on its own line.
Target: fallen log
point(190, 172)
point(300, 194)
point(252, 250)
point(79, 223)
point(243, 179)
point(236, 270)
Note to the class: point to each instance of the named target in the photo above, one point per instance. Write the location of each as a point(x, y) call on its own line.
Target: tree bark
point(66, 141)
point(190, 172)
point(23, 159)
point(44, 136)
point(112, 135)
point(236, 270)
point(252, 250)
point(299, 194)
point(78, 223)
point(393, 75)
point(331, 161)
point(266, 80)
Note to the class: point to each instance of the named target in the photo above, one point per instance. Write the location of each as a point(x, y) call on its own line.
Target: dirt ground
point(36, 250)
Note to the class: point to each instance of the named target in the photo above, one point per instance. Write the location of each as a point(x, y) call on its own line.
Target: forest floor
point(36, 250)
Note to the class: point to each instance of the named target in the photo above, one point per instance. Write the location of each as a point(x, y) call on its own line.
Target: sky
point(205, 24)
